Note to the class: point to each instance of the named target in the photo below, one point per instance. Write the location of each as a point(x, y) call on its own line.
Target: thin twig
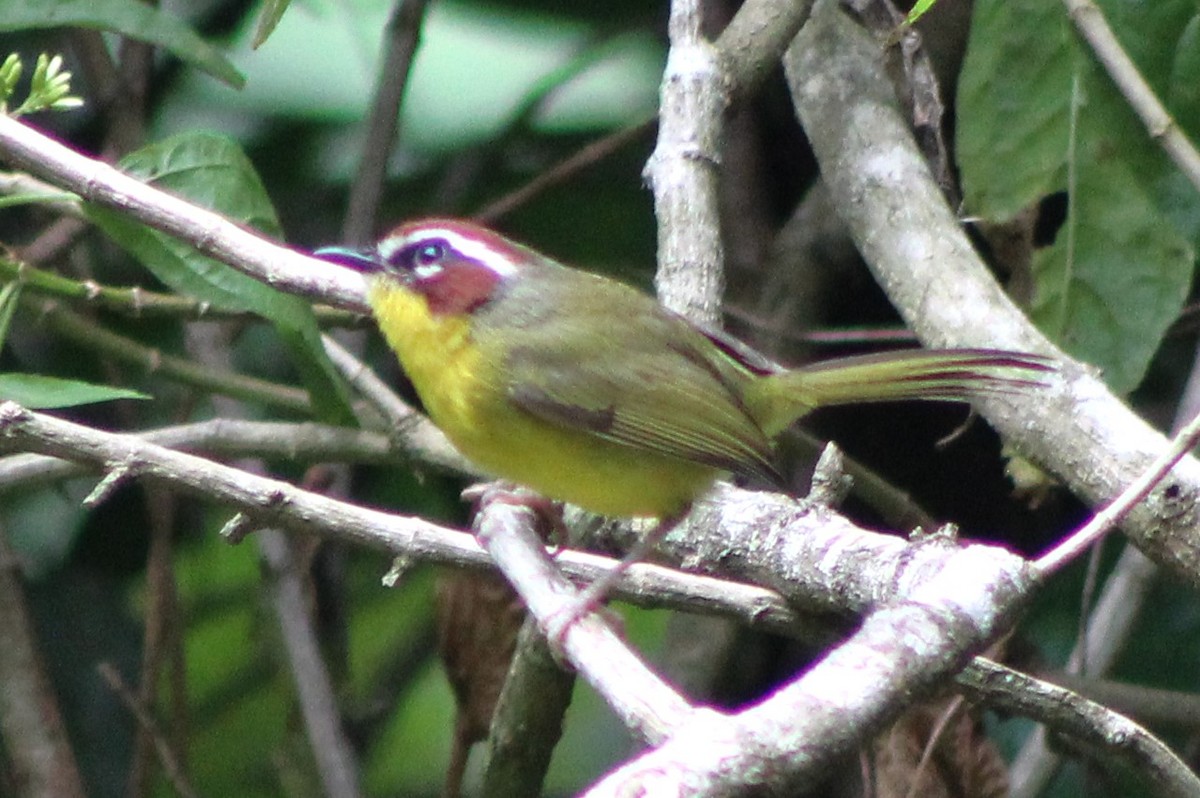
point(140, 303)
point(332, 755)
point(146, 721)
point(1090, 22)
point(300, 442)
point(86, 333)
point(646, 704)
point(162, 639)
point(1109, 738)
point(1112, 515)
point(947, 714)
point(749, 48)
point(562, 171)
point(755, 39)
point(38, 752)
point(285, 505)
point(331, 750)
point(414, 433)
point(1109, 626)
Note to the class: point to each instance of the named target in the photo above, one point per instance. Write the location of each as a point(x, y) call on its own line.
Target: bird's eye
point(429, 254)
point(425, 257)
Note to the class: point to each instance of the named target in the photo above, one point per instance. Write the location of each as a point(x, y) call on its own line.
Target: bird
point(588, 391)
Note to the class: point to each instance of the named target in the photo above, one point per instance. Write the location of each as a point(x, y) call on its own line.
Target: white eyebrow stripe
point(472, 248)
point(389, 246)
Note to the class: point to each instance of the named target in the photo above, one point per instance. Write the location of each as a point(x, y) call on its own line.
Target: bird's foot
point(550, 526)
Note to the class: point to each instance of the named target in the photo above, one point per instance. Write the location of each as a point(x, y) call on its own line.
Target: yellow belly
point(576, 467)
point(466, 397)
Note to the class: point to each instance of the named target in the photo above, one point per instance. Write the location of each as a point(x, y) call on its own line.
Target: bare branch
point(332, 753)
point(529, 717)
point(267, 500)
point(413, 432)
point(1107, 738)
point(683, 171)
point(755, 39)
point(645, 703)
point(916, 638)
point(171, 765)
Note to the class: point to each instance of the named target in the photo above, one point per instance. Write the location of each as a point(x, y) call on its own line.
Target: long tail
point(948, 375)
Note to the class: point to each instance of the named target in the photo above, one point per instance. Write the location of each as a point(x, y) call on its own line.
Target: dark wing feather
point(676, 415)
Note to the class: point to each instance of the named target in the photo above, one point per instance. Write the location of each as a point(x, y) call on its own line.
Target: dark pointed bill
point(360, 260)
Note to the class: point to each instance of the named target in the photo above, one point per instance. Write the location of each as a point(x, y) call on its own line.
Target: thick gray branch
point(921, 256)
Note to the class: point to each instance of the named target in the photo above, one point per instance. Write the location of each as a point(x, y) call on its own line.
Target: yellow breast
point(464, 392)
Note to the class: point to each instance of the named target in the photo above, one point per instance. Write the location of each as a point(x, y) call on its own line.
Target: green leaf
point(1108, 289)
point(268, 18)
point(1038, 116)
point(212, 171)
point(131, 18)
point(1014, 97)
point(918, 10)
point(41, 392)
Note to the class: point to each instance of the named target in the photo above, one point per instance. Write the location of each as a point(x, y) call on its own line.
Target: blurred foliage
point(500, 92)
point(131, 18)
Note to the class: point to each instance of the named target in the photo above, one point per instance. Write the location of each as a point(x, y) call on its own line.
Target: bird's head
point(455, 265)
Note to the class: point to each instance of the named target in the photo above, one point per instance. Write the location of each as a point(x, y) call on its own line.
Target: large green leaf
point(41, 392)
point(1113, 269)
point(1037, 116)
point(1014, 98)
point(212, 171)
point(132, 18)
